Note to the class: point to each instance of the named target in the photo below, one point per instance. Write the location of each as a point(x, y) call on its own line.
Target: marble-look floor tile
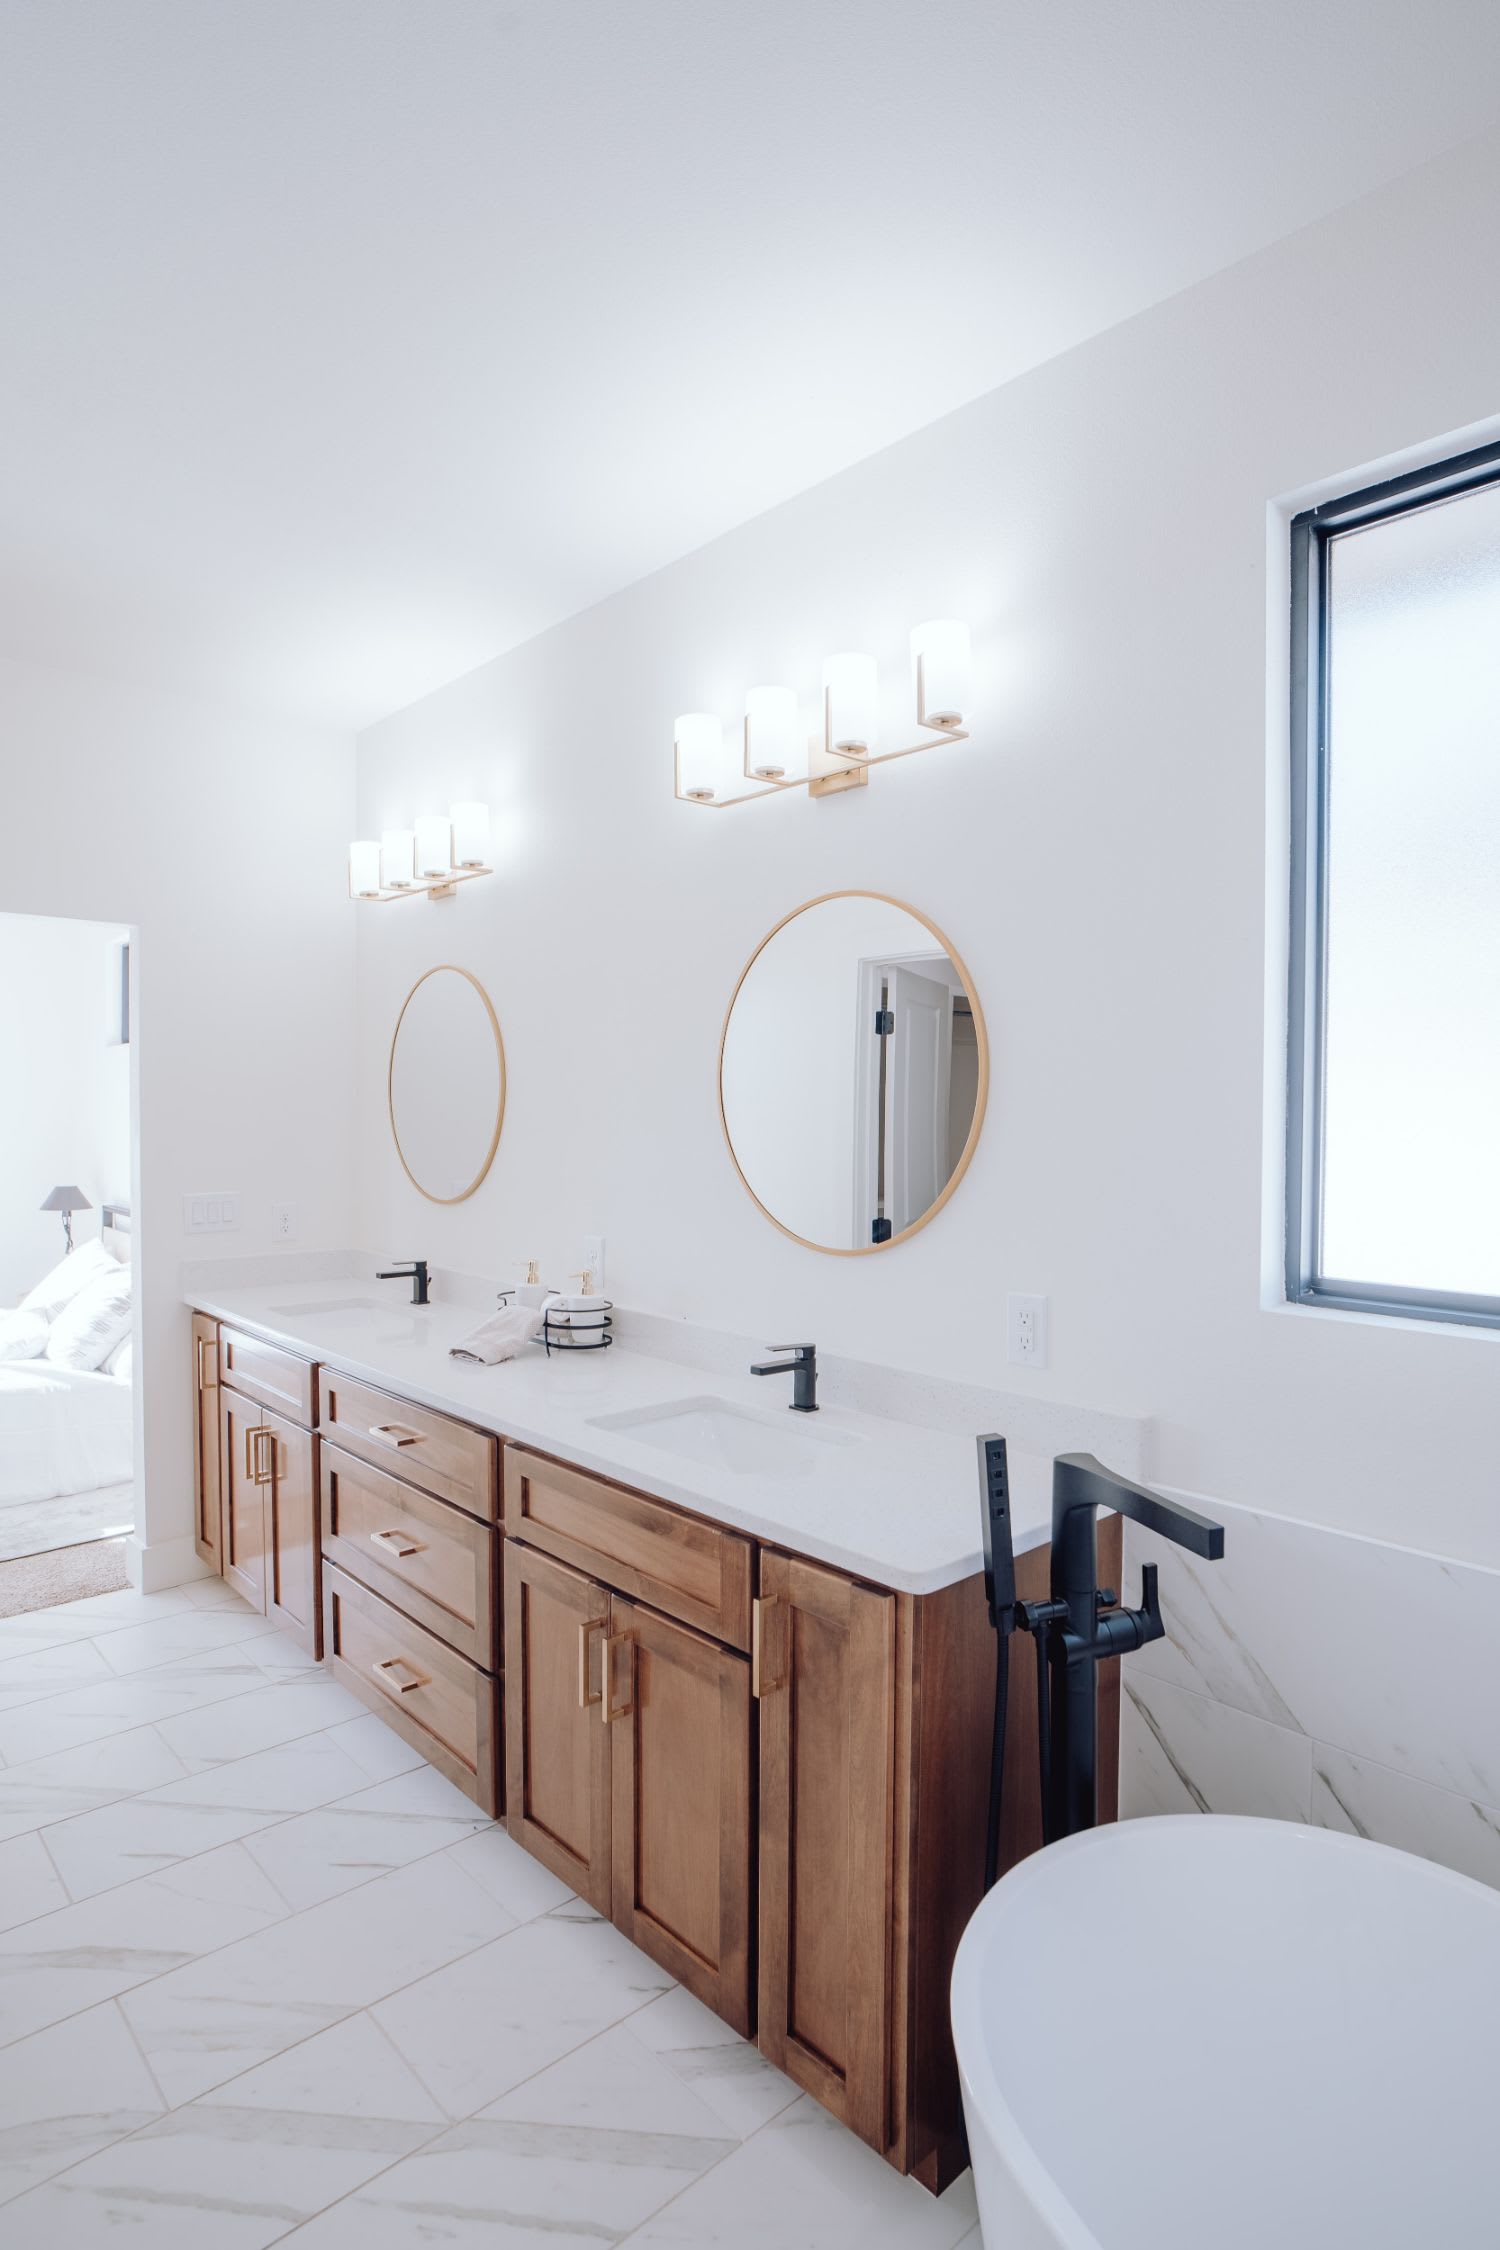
point(1280, 1629)
point(614, 2084)
point(203, 2025)
point(112, 1706)
point(1365, 1799)
point(385, 1826)
point(65, 2092)
point(804, 2183)
point(98, 1851)
point(522, 1885)
point(78, 1780)
point(376, 1749)
point(188, 1632)
point(34, 1673)
point(275, 1713)
point(351, 2070)
point(474, 2031)
point(1181, 1752)
point(723, 2070)
point(29, 1882)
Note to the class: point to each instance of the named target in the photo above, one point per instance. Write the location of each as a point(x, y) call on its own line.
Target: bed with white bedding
point(62, 1429)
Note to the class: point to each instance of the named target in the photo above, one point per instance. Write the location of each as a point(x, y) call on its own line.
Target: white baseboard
point(172, 1562)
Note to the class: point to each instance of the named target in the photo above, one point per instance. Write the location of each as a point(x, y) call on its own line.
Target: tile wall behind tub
point(1315, 1676)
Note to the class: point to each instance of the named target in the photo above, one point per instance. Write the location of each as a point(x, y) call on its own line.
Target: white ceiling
point(346, 343)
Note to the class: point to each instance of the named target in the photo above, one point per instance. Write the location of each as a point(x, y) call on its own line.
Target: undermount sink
point(345, 1306)
point(730, 1437)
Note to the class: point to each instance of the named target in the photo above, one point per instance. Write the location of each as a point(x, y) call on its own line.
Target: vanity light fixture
point(777, 755)
point(428, 860)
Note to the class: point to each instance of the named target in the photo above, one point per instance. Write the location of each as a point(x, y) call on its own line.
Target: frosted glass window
point(1395, 1156)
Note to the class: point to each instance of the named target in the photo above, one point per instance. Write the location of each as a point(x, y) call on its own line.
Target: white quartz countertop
point(894, 1503)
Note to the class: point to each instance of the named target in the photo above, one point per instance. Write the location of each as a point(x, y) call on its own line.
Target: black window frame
point(1312, 534)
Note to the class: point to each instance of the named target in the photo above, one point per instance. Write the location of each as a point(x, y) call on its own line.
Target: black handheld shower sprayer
point(1076, 1629)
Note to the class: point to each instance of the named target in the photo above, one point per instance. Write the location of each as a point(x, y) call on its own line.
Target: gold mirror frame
point(981, 1092)
point(390, 1084)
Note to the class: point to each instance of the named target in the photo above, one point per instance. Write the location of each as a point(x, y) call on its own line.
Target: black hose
point(997, 1760)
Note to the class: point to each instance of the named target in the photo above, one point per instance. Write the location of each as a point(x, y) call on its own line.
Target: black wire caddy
point(562, 1336)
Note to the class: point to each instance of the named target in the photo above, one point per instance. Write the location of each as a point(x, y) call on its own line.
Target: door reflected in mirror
point(447, 1084)
point(853, 1072)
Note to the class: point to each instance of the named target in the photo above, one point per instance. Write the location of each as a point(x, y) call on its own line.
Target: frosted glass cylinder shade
point(398, 850)
point(471, 834)
point(772, 749)
point(434, 845)
point(851, 689)
point(364, 869)
point(940, 663)
point(699, 736)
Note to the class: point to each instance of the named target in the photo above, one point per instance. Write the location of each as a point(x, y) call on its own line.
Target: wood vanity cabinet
point(268, 1491)
point(207, 1530)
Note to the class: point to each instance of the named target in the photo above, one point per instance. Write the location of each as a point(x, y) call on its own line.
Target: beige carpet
point(68, 1574)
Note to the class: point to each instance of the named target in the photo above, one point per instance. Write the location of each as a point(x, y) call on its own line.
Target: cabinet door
point(291, 1521)
point(556, 1744)
point(244, 1464)
point(825, 1675)
point(207, 1537)
point(677, 1709)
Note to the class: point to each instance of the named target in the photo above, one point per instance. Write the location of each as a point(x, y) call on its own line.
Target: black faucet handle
point(802, 1350)
point(1152, 1628)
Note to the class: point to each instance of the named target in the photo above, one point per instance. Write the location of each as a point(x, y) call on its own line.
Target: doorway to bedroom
point(67, 1468)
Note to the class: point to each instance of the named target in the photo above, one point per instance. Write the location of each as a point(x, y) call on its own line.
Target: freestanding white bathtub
point(1202, 2033)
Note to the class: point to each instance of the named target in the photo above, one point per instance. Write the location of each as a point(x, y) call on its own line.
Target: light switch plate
point(213, 1211)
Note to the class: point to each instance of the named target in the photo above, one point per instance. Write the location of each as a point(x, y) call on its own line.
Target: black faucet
point(1083, 1627)
point(803, 1368)
point(418, 1272)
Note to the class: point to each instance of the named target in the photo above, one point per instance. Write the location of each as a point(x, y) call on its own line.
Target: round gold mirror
point(853, 1073)
point(446, 1084)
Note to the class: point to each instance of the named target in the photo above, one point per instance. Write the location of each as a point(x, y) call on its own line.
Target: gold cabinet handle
point(586, 1632)
point(613, 1710)
point(206, 1382)
point(390, 1664)
point(395, 1434)
point(256, 1470)
point(396, 1543)
point(759, 1684)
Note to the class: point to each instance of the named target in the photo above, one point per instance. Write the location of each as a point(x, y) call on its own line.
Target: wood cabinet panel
point(678, 1711)
point(442, 1704)
point(207, 1531)
point(263, 1371)
point(245, 1468)
point(420, 1446)
point(826, 1678)
point(291, 1530)
point(438, 1564)
point(556, 1746)
point(692, 1570)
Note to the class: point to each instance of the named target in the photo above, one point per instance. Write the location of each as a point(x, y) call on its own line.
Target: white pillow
point(88, 1328)
point(64, 1282)
point(23, 1335)
point(120, 1361)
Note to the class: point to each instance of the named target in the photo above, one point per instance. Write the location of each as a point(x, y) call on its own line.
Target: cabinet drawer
point(421, 1447)
point(441, 1703)
point(263, 1371)
point(431, 1561)
point(692, 1570)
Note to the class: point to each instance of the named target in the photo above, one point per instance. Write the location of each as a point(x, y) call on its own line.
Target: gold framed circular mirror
point(854, 1071)
point(445, 1085)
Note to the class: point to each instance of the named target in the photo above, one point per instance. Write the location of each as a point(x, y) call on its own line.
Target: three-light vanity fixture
point(707, 770)
point(429, 860)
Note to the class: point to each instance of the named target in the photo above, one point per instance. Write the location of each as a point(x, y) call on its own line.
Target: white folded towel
point(499, 1337)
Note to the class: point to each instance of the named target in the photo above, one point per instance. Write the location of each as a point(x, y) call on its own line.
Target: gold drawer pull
point(399, 1545)
point(257, 1469)
point(586, 1631)
point(402, 1687)
point(395, 1434)
point(613, 1710)
point(759, 1684)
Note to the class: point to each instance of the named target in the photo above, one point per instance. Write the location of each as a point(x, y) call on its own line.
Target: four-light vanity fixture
point(777, 755)
point(429, 860)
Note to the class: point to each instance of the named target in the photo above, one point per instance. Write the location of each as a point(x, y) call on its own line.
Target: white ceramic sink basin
point(737, 1438)
point(347, 1308)
point(1207, 2033)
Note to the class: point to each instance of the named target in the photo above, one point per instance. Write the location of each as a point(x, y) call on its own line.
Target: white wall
point(65, 1119)
point(1097, 853)
point(220, 836)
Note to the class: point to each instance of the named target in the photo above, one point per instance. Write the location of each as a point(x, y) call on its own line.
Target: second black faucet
point(417, 1271)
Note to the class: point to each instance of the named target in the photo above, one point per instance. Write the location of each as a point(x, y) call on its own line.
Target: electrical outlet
point(284, 1222)
point(593, 1258)
point(210, 1213)
point(1026, 1331)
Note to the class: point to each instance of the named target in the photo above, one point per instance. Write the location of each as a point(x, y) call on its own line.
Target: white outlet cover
point(1026, 1332)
